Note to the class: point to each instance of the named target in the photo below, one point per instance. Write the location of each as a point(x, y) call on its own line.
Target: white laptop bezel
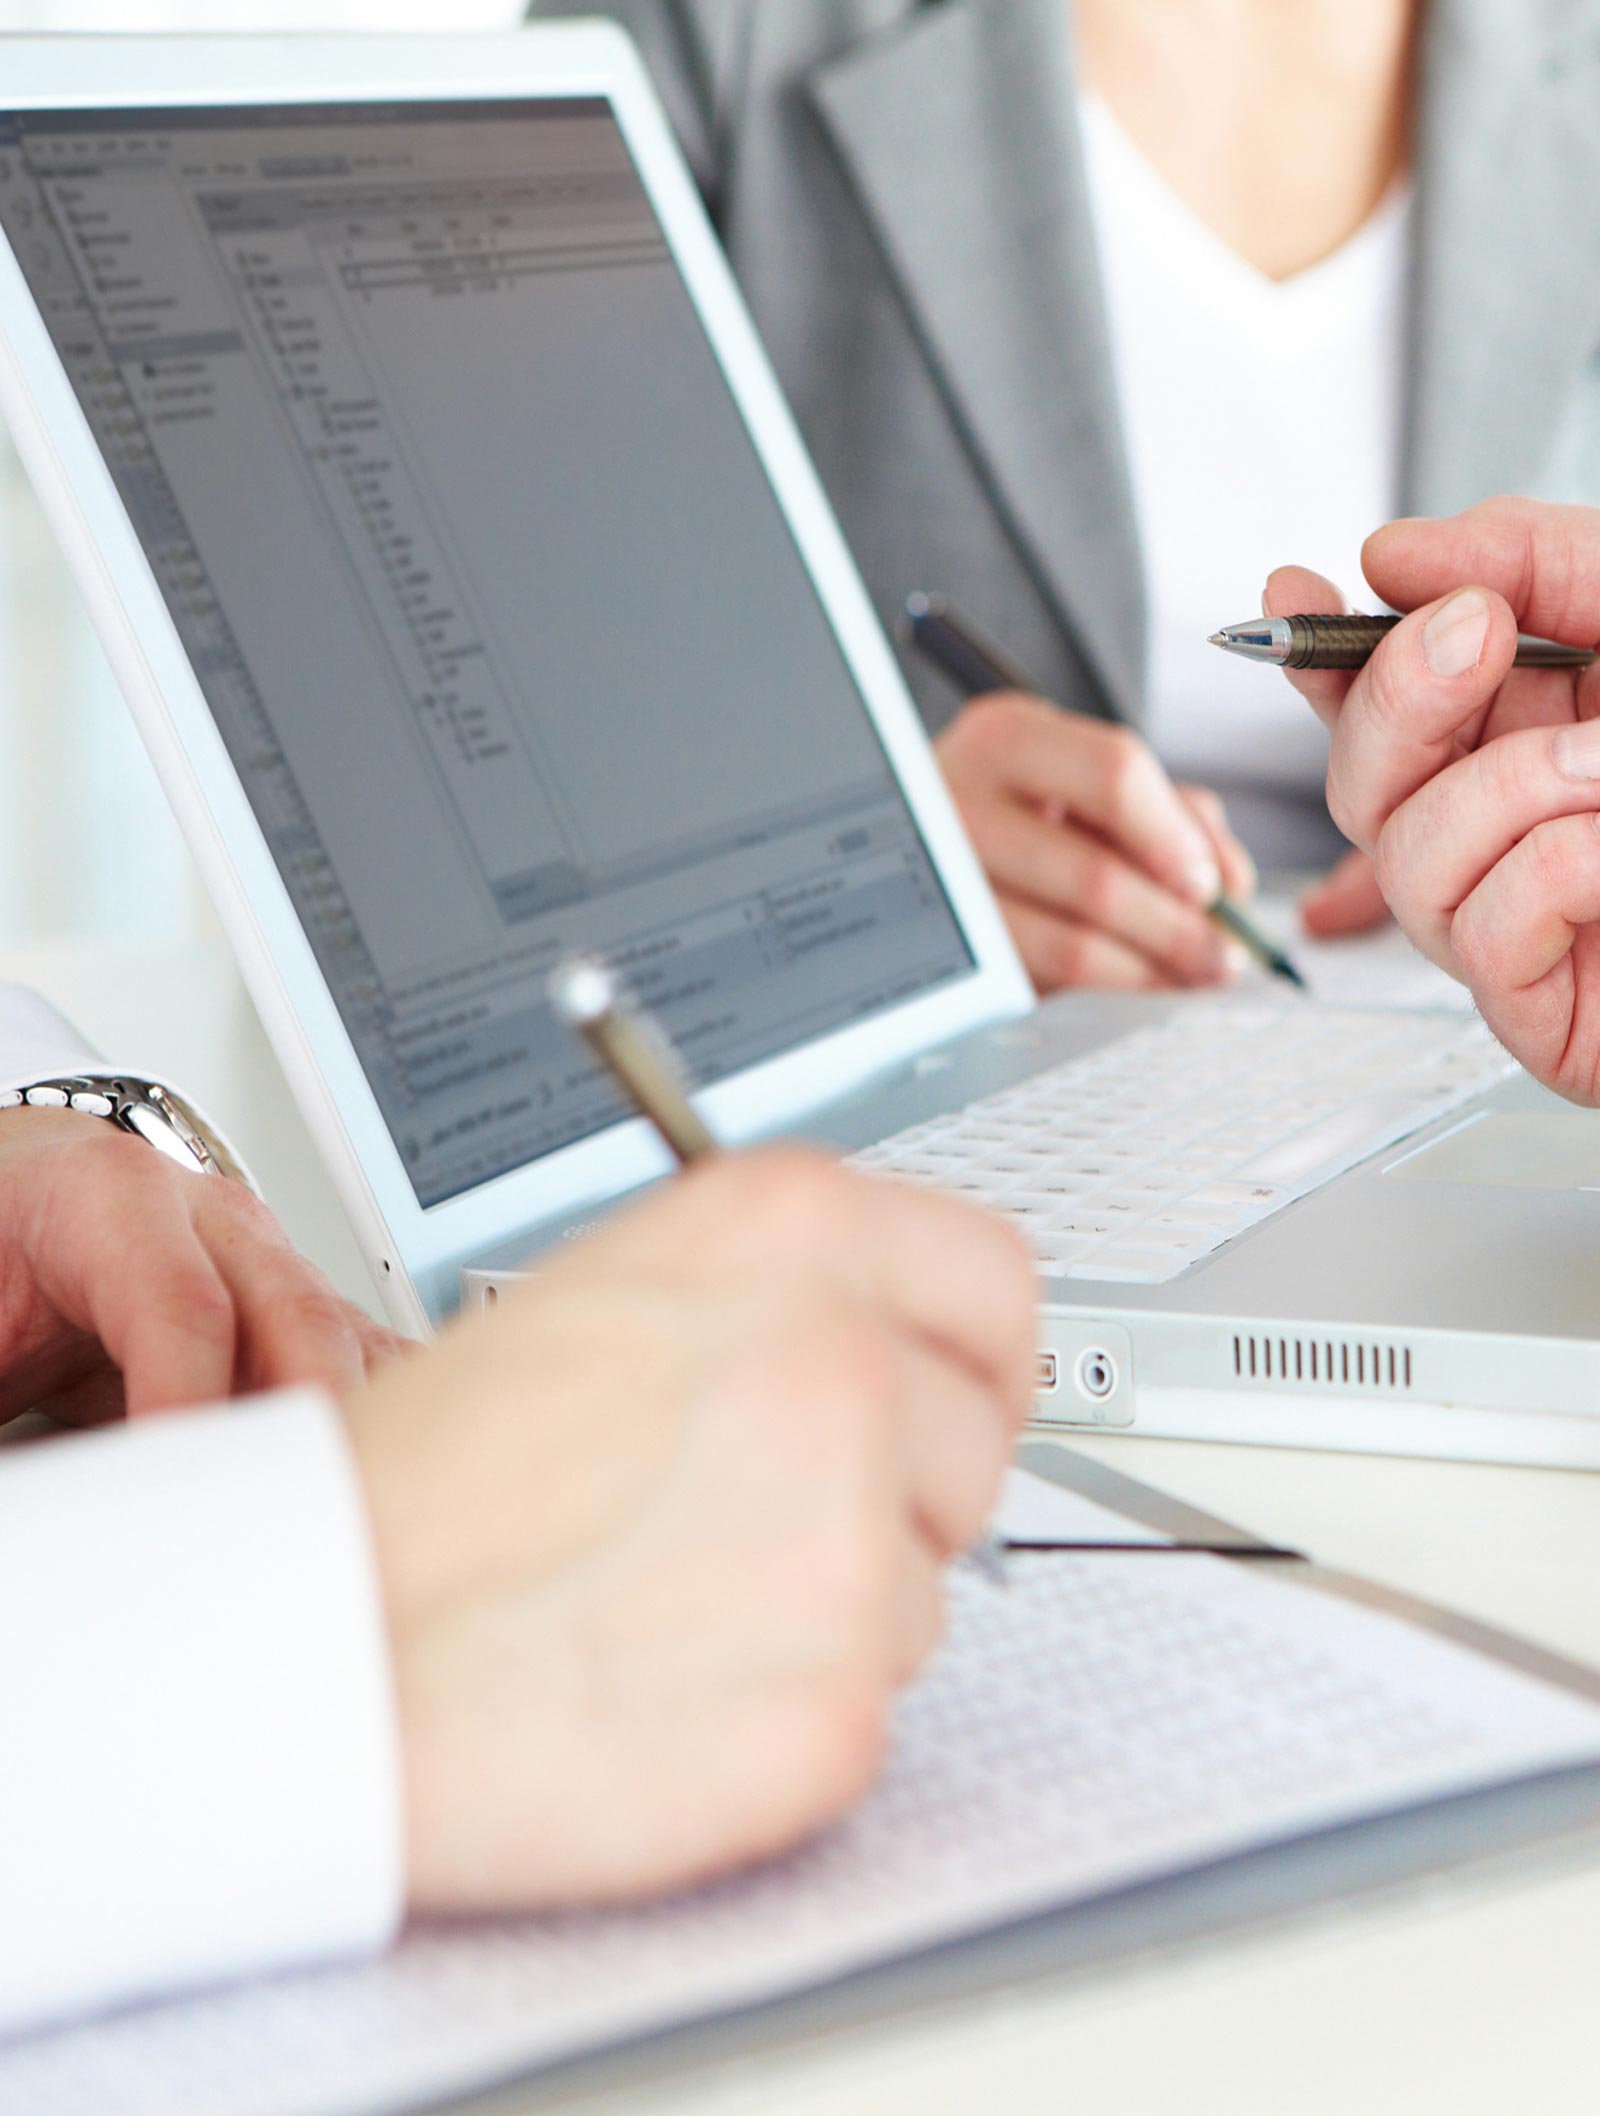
point(417, 1252)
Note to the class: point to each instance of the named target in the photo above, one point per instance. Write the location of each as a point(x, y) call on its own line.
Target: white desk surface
point(1470, 1996)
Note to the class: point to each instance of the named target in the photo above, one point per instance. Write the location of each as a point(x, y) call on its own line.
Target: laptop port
point(1086, 1376)
point(1096, 1374)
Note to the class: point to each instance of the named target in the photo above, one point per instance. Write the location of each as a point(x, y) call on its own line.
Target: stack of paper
point(1102, 1720)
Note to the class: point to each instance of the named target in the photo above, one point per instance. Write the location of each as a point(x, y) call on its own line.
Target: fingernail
point(1453, 637)
point(1575, 750)
point(1235, 963)
point(1204, 878)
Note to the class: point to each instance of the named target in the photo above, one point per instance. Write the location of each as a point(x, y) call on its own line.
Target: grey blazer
point(899, 184)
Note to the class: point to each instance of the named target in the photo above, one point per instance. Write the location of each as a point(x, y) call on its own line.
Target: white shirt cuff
point(199, 1767)
point(37, 1043)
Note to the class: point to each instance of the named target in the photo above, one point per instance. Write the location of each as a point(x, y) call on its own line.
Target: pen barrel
point(1545, 654)
point(974, 664)
point(1336, 642)
point(644, 1065)
point(1350, 642)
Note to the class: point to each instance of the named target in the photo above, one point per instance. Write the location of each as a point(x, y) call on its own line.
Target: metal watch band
point(155, 1114)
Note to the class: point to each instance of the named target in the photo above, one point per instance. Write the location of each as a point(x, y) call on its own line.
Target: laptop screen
point(486, 588)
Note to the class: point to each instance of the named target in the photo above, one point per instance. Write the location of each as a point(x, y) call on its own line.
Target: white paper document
point(1104, 1720)
point(1378, 969)
point(1035, 1510)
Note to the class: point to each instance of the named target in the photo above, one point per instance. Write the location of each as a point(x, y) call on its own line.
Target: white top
point(1264, 424)
point(199, 1774)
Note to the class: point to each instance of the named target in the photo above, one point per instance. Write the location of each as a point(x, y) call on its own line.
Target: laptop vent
point(1328, 1362)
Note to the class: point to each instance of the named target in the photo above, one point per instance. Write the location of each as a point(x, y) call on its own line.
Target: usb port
point(1046, 1375)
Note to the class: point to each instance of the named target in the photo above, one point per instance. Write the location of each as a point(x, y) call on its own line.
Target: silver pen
point(635, 1051)
point(1350, 641)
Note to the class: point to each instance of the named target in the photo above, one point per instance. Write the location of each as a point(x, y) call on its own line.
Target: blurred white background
point(86, 844)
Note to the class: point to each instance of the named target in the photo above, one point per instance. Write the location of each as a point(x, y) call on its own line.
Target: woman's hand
point(1346, 902)
point(1103, 867)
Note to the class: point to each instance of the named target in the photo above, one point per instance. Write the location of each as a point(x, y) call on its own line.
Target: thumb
point(1417, 704)
point(1346, 901)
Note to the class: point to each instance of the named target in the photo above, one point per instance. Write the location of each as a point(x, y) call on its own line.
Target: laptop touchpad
point(1515, 1152)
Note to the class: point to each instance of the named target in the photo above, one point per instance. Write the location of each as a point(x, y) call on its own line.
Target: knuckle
point(1470, 946)
point(1350, 810)
point(862, 1366)
point(1390, 706)
point(113, 1157)
point(195, 1298)
point(988, 821)
point(1535, 550)
point(1099, 890)
point(950, 746)
point(315, 1310)
point(1125, 765)
point(1516, 770)
point(233, 1215)
point(385, 1347)
point(1551, 853)
point(1392, 858)
point(1207, 806)
point(789, 1192)
point(983, 733)
point(866, 1579)
point(929, 1610)
point(999, 720)
point(849, 1734)
point(839, 1372)
point(243, 1206)
point(1065, 954)
point(852, 1564)
point(1015, 1274)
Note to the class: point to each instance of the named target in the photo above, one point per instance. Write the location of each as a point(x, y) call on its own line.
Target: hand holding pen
point(634, 1052)
point(1472, 778)
point(1108, 874)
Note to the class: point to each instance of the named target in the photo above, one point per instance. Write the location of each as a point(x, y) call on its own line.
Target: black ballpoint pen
point(978, 665)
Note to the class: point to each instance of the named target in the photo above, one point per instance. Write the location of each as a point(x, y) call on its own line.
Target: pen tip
point(1217, 639)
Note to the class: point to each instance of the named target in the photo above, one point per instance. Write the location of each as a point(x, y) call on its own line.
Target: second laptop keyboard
point(1135, 1162)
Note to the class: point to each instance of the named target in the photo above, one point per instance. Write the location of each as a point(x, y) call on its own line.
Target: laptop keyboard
point(1134, 1163)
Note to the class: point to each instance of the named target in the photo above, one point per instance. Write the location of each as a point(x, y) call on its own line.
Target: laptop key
point(1118, 1266)
point(1052, 1253)
point(1316, 1156)
point(1138, 1161)
point(1250, 1201)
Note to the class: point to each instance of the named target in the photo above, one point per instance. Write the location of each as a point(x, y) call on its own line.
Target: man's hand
point(1474, 784)
point(660, 1536)
point(1102, 866)
point(128, 1283)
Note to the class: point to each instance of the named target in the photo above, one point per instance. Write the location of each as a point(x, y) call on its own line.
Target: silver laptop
point(471, 587)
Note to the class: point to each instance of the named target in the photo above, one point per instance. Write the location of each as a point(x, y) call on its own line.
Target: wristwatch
point(155, 1114)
